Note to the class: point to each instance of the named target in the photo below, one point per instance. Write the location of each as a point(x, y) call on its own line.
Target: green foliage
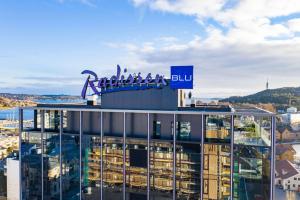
point(281, 97)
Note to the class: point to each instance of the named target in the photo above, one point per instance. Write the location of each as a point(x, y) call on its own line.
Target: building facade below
point(94, 152)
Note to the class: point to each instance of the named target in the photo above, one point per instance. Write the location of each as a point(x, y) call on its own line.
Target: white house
point(287, 175)
point(291, 110)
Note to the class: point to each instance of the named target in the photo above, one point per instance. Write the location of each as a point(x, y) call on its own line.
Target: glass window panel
point(52, 120)
point(91, 167)
point(188, 170)
point(51, 166)
point(31, 120)
point(161, 158)
point(113, 129)
point(252, 130)
point(156, 129)
point(161, 170)
point(112, 168)
point(136, 156)
point(183, 130)
point(31, 171)
point(217, 175)
point(70, 166)
point(217, 128)
point(71, 122)
point(136, 169)
point(251, 172)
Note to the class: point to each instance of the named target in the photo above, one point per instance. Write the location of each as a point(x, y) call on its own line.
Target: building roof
point(281, 128)
point(282, 148)
point(199, 108)
point(285, 169)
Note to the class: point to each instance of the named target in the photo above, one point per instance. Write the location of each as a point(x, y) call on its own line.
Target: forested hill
point(281, 96)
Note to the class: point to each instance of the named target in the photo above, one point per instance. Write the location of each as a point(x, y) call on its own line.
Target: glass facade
point(74, 154)
point(51, 164)
point(252, 155)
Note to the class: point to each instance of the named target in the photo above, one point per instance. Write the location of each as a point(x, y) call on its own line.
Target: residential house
point(287, 175)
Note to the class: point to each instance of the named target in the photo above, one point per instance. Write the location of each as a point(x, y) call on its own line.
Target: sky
point(234, 45)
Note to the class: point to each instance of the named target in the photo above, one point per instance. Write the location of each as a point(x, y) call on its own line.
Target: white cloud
point(167, 39)
point(85, 2)
point(294, 25)
point(237, 68)
point(127, 46)
point(254, 41)
point(247, 21)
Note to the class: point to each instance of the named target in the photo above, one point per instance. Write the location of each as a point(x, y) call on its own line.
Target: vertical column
point(202, 154)
point(20, 150)
point(174, 156)
point(101, 154)
point(60, 158)
point(148, 158)
point(273, 149)
point(42, 142)
point(80, 154)
point(124, 155)
point(231, 157)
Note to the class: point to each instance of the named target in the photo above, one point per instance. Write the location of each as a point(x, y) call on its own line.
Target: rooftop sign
point(181, 77)
point(120, 82)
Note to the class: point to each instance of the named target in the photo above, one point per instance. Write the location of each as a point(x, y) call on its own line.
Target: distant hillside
point(8, 100)
point(281, 97)
point(10, 103)
point(37, 98)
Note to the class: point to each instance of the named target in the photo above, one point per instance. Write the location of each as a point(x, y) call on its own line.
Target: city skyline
point(45, 45)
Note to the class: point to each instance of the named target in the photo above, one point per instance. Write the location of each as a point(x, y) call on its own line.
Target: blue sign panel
point(181, 77)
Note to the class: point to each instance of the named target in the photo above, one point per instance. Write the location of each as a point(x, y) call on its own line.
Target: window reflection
point(250, 130)
point(217, 128)
point(112, 168)
point(91, 167)
point(216, 171)
point(251, 172)
point(188, 167)
point(32, 120)
point(51, 159)
point(31, 165)
point(136, 168)
point(183, 130)
point(156, 129)
point(52, 120)
point(161, 170)
point(70, 166)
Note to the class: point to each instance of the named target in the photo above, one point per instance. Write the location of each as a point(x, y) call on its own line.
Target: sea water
point(13, 113)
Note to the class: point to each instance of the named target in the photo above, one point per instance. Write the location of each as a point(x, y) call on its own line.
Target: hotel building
point(145, 144)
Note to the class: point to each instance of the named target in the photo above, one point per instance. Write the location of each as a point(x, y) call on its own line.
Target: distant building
point(287, 175)
point(291, 110)
point(285, 152)
point(291, 118)
point(286, 133)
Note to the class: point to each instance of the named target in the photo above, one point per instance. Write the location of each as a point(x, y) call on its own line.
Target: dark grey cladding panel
point(91, 123)
point(136, 124)
point(157, 99)
point(113, 124)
